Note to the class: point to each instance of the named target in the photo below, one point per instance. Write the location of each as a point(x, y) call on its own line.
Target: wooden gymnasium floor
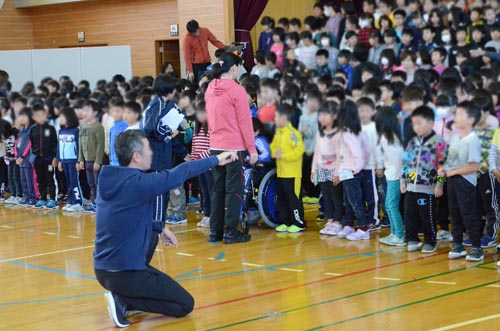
point(288, 282)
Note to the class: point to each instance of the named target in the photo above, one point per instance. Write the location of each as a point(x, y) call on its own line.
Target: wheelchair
point(259, 197)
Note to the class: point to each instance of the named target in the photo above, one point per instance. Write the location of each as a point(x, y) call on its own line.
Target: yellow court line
point(477, 320)
point(442, 283)
point(295, 270)
point(49, 253)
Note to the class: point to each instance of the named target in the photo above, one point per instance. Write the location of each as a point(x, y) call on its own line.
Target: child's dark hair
point(296, 22)
point(387, 124)
point(96, 107)
point(270, 83)
point(260, 57)
point(412, 93)
point(5, 104)
point(201, 107)
point(71, 118)
point(472, 110)
point(266, 20)
point(314, 94)
point(328, 107)
point(26, 111)
point(349, 117)
point(286, 110)
point(259, 127)
point(367, 102)
point(442, 52)
point(322, 52)
point(280, 32)
point(116, 102)
point(425, 112)
point(134, 107)
point(164, 85)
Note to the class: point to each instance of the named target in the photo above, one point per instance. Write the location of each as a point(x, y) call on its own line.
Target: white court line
point(184, 254)
point(493, 286)
point(442, 283)
point(384, 278)
point(333, 274)
point(50, 233)
point(213, 259)
point(49, 253)
point(295, 270)
point(74, 237)
point(477, 320)
point(7, 227)
point(185, 231)
point(252, 265)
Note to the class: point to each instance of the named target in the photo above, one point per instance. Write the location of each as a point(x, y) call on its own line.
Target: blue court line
point(188, 273)
point(220, 256)
point(30, 219)
point(273, 268)
point(63, 272)
point(15, 303)
point(216, 244)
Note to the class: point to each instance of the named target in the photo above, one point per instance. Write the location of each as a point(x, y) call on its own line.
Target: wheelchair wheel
point(267, 200)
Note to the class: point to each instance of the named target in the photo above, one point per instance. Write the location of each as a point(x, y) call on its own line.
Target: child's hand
point(279, 153)
point(97, 167)
point(19, 161)
point(54, 163)
point(60, 167)
point(379, 173)
point(336, 180)
point(403, 188)
point(496, 173)
point(441, 172)
point(188, 158)
point(438, 192)
point(313, 175)
point(81, 166)
point(254, 158)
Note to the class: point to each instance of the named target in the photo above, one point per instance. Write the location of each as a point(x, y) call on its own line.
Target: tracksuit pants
point(289, 205)
point(420, 213)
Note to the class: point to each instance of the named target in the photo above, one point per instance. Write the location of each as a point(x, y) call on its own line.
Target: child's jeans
point(92, 178)
point(177, 202)
point(206, 181)
point(370, 196)
point(333, 200)
point(392, 197)
point(353, 202)
point(28, 182)
point(73, 184)
point(14, 175)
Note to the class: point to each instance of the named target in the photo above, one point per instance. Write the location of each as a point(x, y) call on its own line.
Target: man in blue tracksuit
point(124, 227)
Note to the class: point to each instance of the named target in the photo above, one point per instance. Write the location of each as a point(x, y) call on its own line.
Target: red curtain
point(246, 15)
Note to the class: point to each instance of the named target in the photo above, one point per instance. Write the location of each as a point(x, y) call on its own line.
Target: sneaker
point(394, 241)
point(215, 237)
point(117, 310)
point(282, 228)
point(488, 242)
point(413, 246)
point(200, 211)
point(475, 255)
point(373, 227)
point(498, 249)
point(74, 208)
point(457, 252)
point(193, 201)
point(295, 229)
point(467, 242)
point(65, 208)
point(204, 223)
point(359, 235)
point(91, 208)
point(384, 224)
point(347, 230)
point(385, 239)
point(331, 229)
point(51, 205)
point(30, 203)
point(23, 202)
point(310, 201)
point(10, 200)
point(40, 204)
point(176, 220)
point(429, 249)
point(444, 235)
point(235, 236)
point(321, 218)
point(133, 312)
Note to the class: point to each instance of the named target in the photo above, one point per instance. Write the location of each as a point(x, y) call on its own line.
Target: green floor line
point(349, 296)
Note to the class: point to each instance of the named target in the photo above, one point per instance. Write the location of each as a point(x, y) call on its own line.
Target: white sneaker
point(332, 230)
point(15, 201)
point(326, 228)
point(444, 235)
point(359, 235)
point(74, 208)
point(10, 200)
point(65, 208)
point(347, 230)
point(204, 223)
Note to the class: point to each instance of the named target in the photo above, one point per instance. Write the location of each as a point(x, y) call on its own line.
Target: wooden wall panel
point(282, 8)
point(15, 28)
point(110, 22)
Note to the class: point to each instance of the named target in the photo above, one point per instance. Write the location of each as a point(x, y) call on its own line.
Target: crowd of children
point(387, 115)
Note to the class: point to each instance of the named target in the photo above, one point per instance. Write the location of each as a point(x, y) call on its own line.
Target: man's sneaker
point(413, 246)
point(176, 220)
point(394, 240)
point(444, 235)
point(384, 224)
point(74, 208)
point(295, 229)
point(133, 312)
point(373, 227)
point(51, 205)
point(321, 218)
point(200, 211)
point(488, 242)
point(475, 255)
point(467, 242)
point(91, 208)
point(359, 235)
point(310, 201)
point(40, 204)
point(347, 230)
point(193, 201)
point(204, 223)
point(117, 310)
point(331, 229)
point(281, 228)
point(235, 236)
point(429, 249)
point(457, 252)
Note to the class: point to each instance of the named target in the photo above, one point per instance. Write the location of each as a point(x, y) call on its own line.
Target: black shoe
point(117, 310)
point(234, 236)
point(385, 223)
point(215, 237)
point(321, 217)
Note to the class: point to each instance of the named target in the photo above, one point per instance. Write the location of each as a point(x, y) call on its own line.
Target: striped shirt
point(201, 145)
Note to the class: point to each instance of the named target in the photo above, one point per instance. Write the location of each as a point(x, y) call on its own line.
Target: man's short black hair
point(425, 112)
point(127, 143)
point(472, 110)
point(192, 26)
